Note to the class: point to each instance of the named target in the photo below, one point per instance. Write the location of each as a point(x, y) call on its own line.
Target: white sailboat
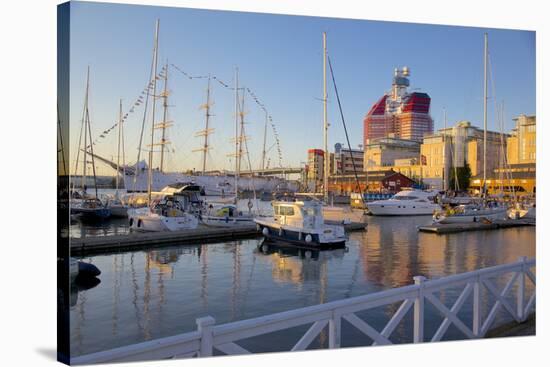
point(488, 211)
point(170, 212)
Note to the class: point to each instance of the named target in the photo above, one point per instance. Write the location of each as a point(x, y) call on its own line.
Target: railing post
point(418, 333)
point(334, 330)
point(476, 319)
point(521, 289)
point(205, 325)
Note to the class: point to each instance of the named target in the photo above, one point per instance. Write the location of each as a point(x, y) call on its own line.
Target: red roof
point(379, 107)
point(417, 102)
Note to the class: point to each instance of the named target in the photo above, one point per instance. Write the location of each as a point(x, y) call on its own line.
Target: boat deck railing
point(210, 338)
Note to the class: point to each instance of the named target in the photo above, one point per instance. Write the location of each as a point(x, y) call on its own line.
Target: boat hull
point(406, 210)
point(159, 223)
point(213, 221)
point(496, 215)
point(299, 237)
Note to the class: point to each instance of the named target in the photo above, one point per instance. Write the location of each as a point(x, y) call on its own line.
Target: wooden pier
point(143, 240)
point(474, 226)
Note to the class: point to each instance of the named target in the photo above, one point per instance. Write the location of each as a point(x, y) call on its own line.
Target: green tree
point(463, 175)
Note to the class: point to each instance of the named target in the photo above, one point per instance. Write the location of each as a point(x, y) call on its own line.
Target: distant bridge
point(274, 171)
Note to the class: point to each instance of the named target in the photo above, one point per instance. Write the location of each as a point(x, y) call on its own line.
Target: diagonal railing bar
point(231, 349)
point(396, 319)
point(492, 314)
point(530, 276)
point(366, 329)
point(449, 314)
point(500, 296)
point(454, 311)
point(308, 337)
point(530, 305)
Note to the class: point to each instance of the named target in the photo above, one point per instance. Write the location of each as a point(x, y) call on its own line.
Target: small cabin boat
point(301, 223)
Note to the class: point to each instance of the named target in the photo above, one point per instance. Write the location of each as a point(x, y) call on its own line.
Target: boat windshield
point(310, 212)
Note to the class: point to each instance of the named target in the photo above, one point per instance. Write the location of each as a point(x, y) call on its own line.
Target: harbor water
point(157, 293)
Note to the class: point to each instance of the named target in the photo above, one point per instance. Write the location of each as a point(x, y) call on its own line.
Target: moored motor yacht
point(301, 223)
point(406, 202)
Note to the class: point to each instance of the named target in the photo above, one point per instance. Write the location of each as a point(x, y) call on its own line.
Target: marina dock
point(474, 226)
point(141, 240)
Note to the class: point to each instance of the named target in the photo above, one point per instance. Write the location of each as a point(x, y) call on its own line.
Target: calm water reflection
point(151, 294)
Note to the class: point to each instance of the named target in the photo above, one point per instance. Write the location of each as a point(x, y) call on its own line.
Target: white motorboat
point(407, 202)
point(301, 223)
point(471, 213)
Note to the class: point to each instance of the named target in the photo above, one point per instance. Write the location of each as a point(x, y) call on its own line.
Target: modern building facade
point(398, 113)
point(383, 152)
point(345, 159)
point(315, 169)
point(522, 143)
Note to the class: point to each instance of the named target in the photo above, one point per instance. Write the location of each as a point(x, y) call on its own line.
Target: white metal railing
point(209, 336)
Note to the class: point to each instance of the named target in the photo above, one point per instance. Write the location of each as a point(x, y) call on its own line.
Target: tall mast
point(265, 138)
point(444, 149)
point(119, 140)
point(150, 173)
point(85, 115)
point(485, 114)
point(164, 124)
point(325, 123)
point(236, 130)
point(207, 130)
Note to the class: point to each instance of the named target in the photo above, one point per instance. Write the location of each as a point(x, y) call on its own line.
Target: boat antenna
point(346, 131)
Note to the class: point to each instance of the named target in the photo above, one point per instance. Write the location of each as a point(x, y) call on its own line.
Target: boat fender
point(131, 223)
point(308, 238)
point(139, 223)
point(258, 227)
point(87, 269)
point(265, 231)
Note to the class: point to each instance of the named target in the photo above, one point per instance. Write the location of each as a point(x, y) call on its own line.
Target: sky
point(279, 58)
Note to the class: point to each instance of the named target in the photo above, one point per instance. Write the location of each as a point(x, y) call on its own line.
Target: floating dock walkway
point(474, 226)
point(142, 240)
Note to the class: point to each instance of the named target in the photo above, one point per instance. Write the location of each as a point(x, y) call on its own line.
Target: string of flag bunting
point(147, 91)
point(254, 97)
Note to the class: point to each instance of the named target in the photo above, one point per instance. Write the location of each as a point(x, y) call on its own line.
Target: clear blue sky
point(280, 59)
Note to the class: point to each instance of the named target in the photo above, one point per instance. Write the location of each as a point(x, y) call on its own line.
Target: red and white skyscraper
point(398, 113)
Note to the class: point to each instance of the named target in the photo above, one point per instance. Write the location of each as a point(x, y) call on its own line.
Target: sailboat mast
point(207, 107)
point(325, 123)
point(444, 149)
point(118, 148)
point(485, 114)
point(236, 130)
point(150, 173)
point(265, 138)
point(84, 167)
point(164, 116)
